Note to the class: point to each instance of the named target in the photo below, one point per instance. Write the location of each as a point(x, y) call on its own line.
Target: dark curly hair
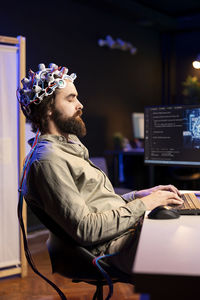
point(38, 117)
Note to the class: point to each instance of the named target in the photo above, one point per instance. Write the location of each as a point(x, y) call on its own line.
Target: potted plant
point(191, 90)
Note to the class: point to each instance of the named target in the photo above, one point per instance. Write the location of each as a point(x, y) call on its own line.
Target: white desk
point(168, 257)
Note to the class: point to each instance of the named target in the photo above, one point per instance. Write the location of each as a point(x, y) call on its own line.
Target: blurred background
point(157, 41)
point(111, 83)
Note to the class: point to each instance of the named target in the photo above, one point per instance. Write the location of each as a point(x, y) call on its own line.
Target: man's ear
point(50, 107)
point(49, 112)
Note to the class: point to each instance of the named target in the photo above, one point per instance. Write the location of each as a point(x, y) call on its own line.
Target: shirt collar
point(60, 138)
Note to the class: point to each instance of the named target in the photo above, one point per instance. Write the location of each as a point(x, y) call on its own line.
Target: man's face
point(67, 110)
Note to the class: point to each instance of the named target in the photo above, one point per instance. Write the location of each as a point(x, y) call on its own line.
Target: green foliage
point(118, 140)
point(191, 90)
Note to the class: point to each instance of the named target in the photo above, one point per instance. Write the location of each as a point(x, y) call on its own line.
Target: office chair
point(74, 261)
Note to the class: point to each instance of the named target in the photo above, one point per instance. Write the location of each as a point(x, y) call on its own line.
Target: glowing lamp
point(196, 63)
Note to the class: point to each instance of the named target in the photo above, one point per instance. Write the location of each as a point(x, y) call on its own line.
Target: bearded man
point(61, 180)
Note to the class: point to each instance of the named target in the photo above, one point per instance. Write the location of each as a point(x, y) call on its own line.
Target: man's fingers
point(175, 200)
point(168, 193)
point(175, 190)
point(171, 188)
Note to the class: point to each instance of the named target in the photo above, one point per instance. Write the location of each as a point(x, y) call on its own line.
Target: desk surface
point(168, 258)
point(169, 247)
point(168, 254)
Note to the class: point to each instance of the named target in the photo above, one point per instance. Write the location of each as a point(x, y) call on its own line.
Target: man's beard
point(71, 125)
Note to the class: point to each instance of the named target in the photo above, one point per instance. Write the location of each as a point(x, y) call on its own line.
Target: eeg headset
point(41, 84)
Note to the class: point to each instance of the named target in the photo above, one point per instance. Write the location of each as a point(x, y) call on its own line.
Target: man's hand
point(161, 197)
point(146, 192)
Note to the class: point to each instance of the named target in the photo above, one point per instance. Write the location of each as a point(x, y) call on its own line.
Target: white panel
point(9, 226)
point(28, 135)
point(138, 125)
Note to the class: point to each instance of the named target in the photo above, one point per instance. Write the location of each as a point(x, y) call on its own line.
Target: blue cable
point(104, 273)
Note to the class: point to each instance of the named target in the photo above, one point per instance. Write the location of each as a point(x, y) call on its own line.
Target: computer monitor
point(138, 125)
point(172, 135)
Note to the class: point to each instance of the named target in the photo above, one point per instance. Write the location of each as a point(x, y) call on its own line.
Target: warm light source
point(196, 63)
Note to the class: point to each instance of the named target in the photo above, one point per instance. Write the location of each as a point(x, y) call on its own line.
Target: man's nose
point(80, 105)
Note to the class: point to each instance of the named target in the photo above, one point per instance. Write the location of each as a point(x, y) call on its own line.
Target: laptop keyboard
point(191, 205)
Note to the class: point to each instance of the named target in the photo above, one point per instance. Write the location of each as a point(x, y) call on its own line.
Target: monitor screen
point(138, 125)
point(172, 135)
